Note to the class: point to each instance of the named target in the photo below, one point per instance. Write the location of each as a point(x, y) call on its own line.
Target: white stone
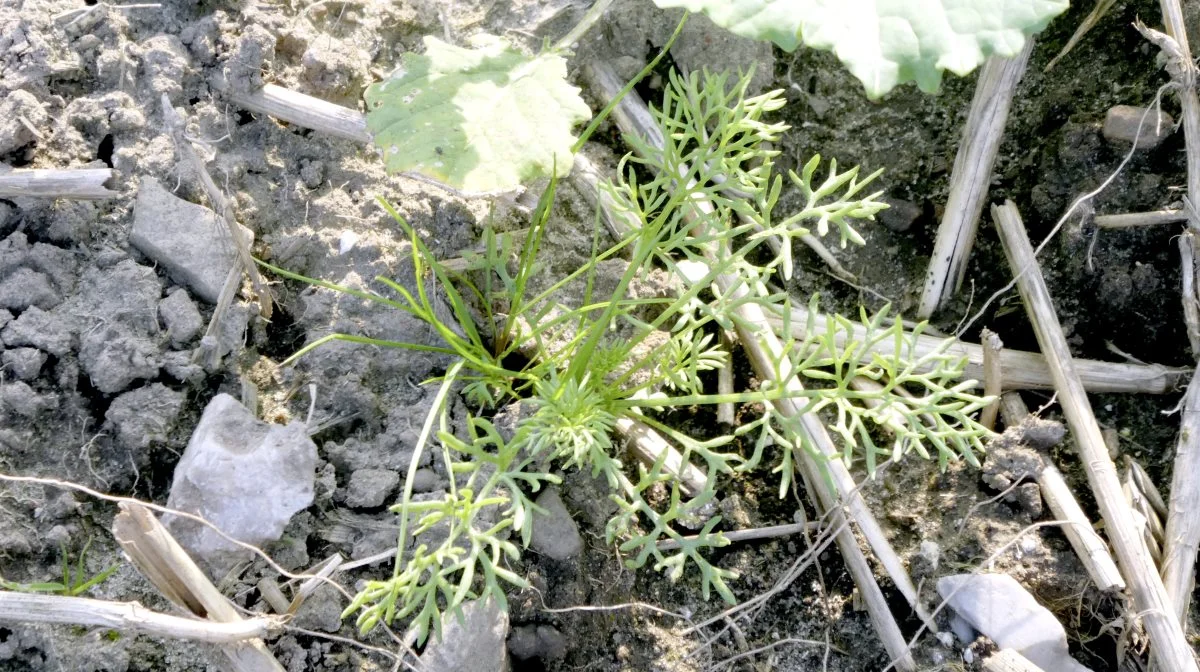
point(245, 476)
point(997, 606)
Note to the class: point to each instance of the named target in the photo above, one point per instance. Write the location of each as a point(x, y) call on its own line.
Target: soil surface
point(100, 384)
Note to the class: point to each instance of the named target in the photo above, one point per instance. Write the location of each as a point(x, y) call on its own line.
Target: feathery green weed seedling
point(612, 357)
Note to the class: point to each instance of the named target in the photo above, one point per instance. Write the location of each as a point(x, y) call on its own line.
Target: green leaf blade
point(888, 42)
point(480, 120)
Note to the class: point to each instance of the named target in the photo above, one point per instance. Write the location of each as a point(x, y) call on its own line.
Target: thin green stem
point(591, 128)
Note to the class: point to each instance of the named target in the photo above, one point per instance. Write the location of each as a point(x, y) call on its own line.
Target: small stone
point(425, 480)
point(369, 488)
point(21, 399)
point(144, 416)
point(23, 363)
point(59, 535)
point(321, 611)
point(189, 240)
point(555, 534)
point(245, 476)
point(927, 559)
point(473, 644)
point(1029, 498)
point(523, 642)
point(5, 318)
point(1041, 433)
point(26, 287)
point(997, 606)
point(180, 317)
point(552, 644)
point(900, 215)
point(42, 330)
point(1121, 126)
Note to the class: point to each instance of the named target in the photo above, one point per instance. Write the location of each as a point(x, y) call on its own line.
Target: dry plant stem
point(303, 110)
point(971, 178)
point(175, 126)
point(1183, 525)
point(126, 617)
point(1169, 648)
point(1188, 101)
point(209, 349)
point(1089, 547)
point(725, 411)
point(764, 350)
point(1148, 521)
point(1191, 302)
point(160, 559)
point(1093, 18)
point(1007, 660)
point(1020, 370)
point(81, 184)
point(648, 445)
point(993, 376)
point(1131, 220)
point(1153, 496)
point(272, 595)
point(1183, 518)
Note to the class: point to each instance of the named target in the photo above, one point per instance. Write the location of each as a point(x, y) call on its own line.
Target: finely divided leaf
point(485, 119)
point(888, 42)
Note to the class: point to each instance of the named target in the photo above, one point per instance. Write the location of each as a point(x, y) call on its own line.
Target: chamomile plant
point(613, 358)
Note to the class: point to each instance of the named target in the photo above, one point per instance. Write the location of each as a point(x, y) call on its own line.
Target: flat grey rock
point(474, 644)
point(997, 606)
point(555, 534)
point(245, 476)
point(188, 240)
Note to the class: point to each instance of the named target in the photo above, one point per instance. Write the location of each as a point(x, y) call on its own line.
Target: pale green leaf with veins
point(483, 119)
point(888, 42)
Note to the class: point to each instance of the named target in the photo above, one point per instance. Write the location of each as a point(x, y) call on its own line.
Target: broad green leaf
point(484, 119)
point(888, 42)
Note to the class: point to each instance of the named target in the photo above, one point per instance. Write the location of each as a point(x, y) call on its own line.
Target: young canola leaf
point(482, 119)
point(888, 42)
